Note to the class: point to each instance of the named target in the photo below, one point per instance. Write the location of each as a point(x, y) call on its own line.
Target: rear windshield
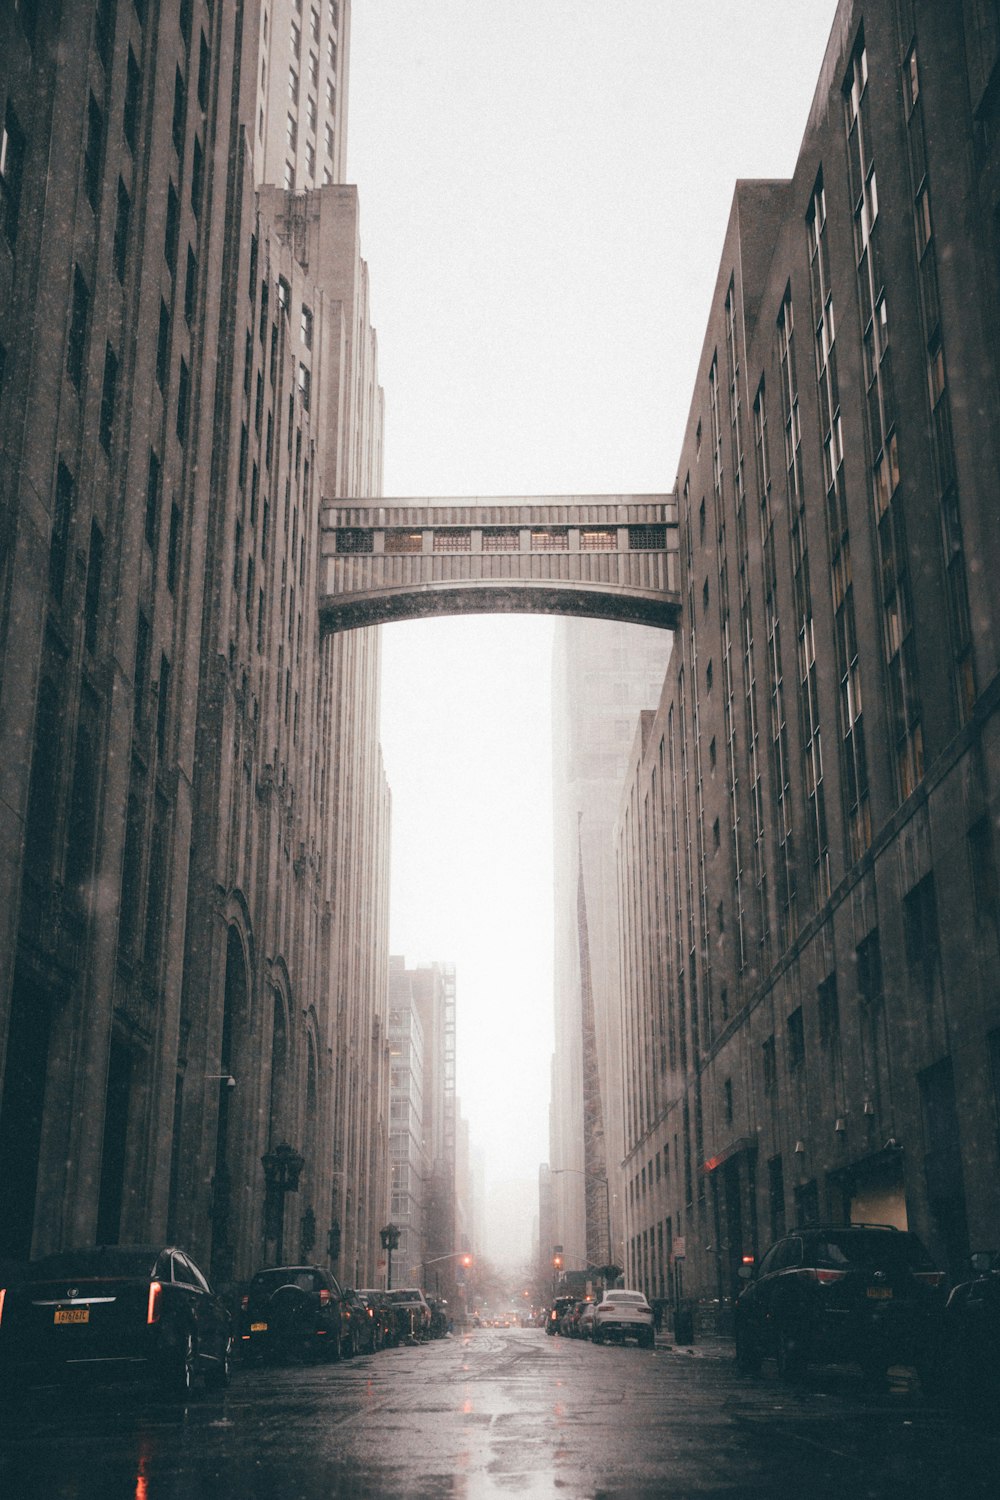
point(406, 1294)
point(886, 1249)
point(626, 1297)
point(302, 1277)
point(111, 1260)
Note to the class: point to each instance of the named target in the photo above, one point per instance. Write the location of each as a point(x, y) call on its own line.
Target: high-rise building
point(194, 822)
point(810, 909)
point(603, 675)
point(300, 127)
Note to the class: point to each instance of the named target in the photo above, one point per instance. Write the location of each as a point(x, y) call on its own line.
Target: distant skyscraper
point(604, 674)
point(300, 129)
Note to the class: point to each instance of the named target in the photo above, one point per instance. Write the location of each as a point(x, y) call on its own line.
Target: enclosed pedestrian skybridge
point(613, 557)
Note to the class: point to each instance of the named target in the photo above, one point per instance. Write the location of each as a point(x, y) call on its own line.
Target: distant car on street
point(560, 1306)
point(113, 1312)
point(624, 1314)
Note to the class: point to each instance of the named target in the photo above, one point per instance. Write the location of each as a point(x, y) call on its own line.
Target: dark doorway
point(113, 1152)
point(21, 1115)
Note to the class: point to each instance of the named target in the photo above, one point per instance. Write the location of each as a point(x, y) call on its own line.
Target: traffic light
point(466, 1261)
point(557, 1262)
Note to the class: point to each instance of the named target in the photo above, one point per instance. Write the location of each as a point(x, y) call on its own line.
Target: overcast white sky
point(544, 190)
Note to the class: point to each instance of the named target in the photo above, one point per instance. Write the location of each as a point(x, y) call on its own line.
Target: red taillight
point(552, 1315)
point(153, 1304)
point(827, 1278)
point(605, 1307)
point(3, 1293)
point(926, 1278)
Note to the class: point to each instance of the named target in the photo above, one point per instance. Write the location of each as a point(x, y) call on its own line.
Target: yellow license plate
point(72, 1315)
point(881, 1292)
point(258, 1327)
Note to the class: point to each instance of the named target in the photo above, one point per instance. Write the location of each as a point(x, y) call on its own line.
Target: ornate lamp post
point(282, 1169)
point(390, 1241)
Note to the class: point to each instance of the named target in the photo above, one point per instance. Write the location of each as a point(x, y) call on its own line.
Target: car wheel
point(792, 1359)
point(178, 1377)
point(647, 1340)
point(218, 1377)
point(747, 1353)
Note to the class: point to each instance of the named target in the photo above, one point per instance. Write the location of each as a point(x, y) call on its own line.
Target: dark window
point(82, 815)
point(869, 961)
point(244, 455)
point(77, 344)
point(180, 111)
point(140, 681)
point(183, 398)
point(185, 21)
point(920, 926)
point(92, 152)
point(162, 707)
point(197, 177)
point(190, 287)
point(647, 538)
point(727, 1100)
point(104, 29)
point(173, 227)
point(121, 230)
point(708, 678)
point(152, 497)
point(354, 539)
point(203, 63)
point(109, 396)
point(806, 1204)
point(768, 1058)
point(796, 1040)
point(829, 1011)
point(13, 149)
point(92, 602)
point(163, 347)
point(131, 889)
point(982, 861)
point(61, 519)
point(133, 89)
point(252, 278)
point(173, 544)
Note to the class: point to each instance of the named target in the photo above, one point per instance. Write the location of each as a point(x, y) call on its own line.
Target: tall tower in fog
point(604, 673)
point(300, 129)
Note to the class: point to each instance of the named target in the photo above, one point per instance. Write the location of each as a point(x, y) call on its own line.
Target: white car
point(623, 1314)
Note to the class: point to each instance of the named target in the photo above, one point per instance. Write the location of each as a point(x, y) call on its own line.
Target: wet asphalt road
point(502, 1412)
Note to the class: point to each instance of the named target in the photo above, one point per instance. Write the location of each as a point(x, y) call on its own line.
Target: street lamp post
point(390, 1241)
point(282, 1169)
point(593, 1177)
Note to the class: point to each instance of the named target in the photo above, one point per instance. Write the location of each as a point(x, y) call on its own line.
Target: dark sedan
point(863, 1292)
point(114, 1311)
point(296, 1311)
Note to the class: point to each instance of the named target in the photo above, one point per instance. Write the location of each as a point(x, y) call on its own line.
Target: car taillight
point(552, 1315)
point(827, 1278)
point(605, 1307)
point(153, 1303)
point(926, 1278)
point(3, 1293)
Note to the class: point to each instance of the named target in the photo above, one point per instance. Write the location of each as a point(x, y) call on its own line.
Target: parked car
point(585, 1323)
point(559, 1306)
point(966, 1367)
point(862, 1292)
point(295, 1311)
point(413, 1315)
point(439, 1317)
point(624, 1314)
point(113, 1311)
point(383, 1314)
point(571, 1318)
point(362, 1332)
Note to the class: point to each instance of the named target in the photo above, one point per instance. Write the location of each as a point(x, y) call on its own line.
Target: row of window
point(504, 539)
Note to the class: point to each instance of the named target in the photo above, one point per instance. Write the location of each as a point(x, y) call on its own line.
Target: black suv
point(295, 1310)
point(863, 1292)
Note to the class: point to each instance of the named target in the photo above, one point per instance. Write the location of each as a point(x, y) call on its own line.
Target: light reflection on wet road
point(500, 1412)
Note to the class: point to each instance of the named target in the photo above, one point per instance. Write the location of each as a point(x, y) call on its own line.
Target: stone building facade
point(194, 819)
point(806, 844)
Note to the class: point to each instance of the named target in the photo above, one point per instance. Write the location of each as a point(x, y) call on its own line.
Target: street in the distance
point(504, 1412)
